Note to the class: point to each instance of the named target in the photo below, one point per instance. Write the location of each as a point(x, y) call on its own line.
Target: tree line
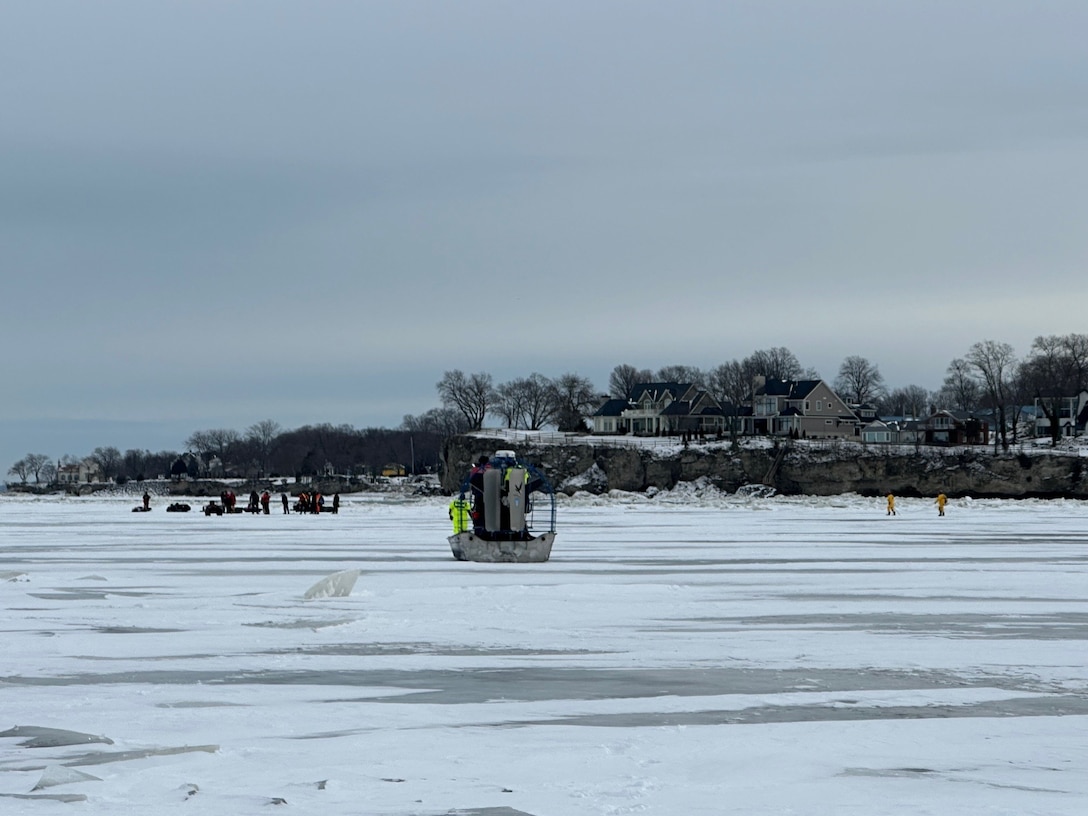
point(264, 450)
point(989, 376)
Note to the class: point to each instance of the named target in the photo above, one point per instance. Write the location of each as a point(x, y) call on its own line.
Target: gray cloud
point(221, 212)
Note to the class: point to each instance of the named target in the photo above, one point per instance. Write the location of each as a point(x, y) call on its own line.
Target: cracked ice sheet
point(698, 654)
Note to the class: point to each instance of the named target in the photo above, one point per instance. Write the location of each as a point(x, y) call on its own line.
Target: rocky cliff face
point(799, 467)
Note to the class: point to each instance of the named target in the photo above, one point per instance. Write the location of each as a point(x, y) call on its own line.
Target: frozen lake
point(689, 654)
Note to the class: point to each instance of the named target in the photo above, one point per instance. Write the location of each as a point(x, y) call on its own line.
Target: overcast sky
point(213, 213)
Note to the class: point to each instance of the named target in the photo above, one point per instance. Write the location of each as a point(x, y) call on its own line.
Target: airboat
point(505, 512)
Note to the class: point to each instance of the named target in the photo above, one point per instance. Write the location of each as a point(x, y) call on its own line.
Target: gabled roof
point(657, 391)
point(802, 388)
point(702, 405)
point(611, 408)
point(793, 389)
point(677, 408)
point(774, 388)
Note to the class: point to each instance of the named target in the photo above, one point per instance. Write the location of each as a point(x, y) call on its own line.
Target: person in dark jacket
point(476, 488)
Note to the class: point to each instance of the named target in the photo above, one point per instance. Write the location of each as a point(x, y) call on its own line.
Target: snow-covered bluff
point(812, 468)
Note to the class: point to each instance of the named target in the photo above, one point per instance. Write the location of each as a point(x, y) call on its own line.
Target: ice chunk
point(40, 737)
point(54, 775)
point(337, 585)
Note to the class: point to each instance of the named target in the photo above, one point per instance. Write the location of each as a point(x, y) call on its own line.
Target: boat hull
point(468, 546)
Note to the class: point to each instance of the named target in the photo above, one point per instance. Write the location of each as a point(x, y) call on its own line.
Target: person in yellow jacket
point(891, 505)
point(942, 500)
point(459, 515)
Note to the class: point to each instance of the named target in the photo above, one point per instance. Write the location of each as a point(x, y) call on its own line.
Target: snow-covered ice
point(682, 653)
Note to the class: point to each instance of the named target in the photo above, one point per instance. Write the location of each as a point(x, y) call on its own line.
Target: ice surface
point(681, 653)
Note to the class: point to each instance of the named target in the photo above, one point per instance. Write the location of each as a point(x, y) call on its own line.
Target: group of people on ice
point(940, 501)
point(307, 502)
point(312, 503)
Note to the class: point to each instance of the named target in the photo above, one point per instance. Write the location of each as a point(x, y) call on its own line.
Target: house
point(1071, 414)
point(879, 432)
point(910, 430)
point(955, 428)
point(894, 430)
point(699, 414)
point(83, 472)
point(608, 419)
point(656, 408)
point(807, 409)
point(67, 474)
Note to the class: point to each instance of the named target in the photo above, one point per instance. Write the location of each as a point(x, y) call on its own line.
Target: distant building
point(808, 409)
point(955, 428)
point(655, 408)
point(879, 432)
point(1072, 414)
point(83, 472)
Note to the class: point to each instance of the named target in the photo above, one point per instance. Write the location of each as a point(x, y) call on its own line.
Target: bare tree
point(473, 396)
point(624, 377)
point(444, 422)
point(778, 363)
point(20, 469)
point(214, 442)
point(510, 403)
point(731, 385)
point(689, 375)
point(109, 461)
point(134, 463)
point(262, 436)
point(993, 365)
point(1021, 393)
point(1055, 370)
point(264, 432)
point(911, 400)
point(36, 462)
point(528, 402)
point(575, 397)
point(539, 401)
point(859, 380)
point(960, 390)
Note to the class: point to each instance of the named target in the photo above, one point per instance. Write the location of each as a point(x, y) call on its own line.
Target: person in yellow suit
point(942, 500)
point(459, 515)
point(891, 504)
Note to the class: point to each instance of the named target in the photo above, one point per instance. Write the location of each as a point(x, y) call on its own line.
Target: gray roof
point(658, 390)
point(612, 407)
point(793, 389)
